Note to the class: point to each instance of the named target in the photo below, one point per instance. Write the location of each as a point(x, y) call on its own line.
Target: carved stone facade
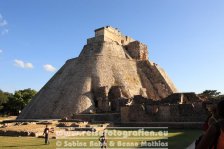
point(137, 50)
point(110, 34)
point(193, 110)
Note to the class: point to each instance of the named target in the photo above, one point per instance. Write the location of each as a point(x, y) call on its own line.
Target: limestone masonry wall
point(194, 112)
point(137, 50)
point(110, 34)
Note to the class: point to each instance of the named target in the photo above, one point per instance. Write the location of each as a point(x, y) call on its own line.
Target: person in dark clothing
point(214, 136)
point(103, 141)
point(46, 135)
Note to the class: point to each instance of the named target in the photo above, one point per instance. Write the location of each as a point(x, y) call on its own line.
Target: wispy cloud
point(4, 31)
point(3, 22)
point(1, 50)
point(3, 25)
point(49, 67)
point(22, 64)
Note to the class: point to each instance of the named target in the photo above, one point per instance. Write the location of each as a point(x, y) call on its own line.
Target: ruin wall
point(110, 34)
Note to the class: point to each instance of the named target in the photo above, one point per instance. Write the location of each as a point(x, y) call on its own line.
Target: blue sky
point(186, 38)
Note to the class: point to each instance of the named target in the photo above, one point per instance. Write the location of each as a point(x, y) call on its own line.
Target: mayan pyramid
point(108, 59)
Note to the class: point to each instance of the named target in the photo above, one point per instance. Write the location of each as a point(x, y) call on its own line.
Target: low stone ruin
point(179, 107)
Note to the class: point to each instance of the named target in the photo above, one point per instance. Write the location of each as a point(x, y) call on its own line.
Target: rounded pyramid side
point(66, 93)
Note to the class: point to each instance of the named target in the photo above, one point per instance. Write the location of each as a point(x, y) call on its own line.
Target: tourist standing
point(46, 135)
point(103, 141)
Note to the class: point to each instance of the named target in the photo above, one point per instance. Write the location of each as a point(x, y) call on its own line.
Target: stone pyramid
point(109, 60)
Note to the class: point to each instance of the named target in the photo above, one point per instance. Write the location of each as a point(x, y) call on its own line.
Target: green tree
point(210, 94)
point(18, 101)
point(3, 98)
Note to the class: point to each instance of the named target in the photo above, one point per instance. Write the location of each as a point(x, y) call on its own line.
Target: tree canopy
point(210, 94)
point(3, 98)
point(14, 103)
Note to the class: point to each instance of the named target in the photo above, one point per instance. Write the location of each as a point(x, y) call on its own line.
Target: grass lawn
point(180, 139)
point(177, 139)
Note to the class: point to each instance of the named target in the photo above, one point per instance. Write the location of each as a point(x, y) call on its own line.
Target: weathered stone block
point(137, 50)
point(101, 92)
point(104, 105)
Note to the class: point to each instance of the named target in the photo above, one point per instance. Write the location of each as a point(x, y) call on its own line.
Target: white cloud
point(3, 26)
point(1, 50)
point(22, 64)
point(4, 31)
point(49, 68)
point(28, 65)
point(3, 22)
